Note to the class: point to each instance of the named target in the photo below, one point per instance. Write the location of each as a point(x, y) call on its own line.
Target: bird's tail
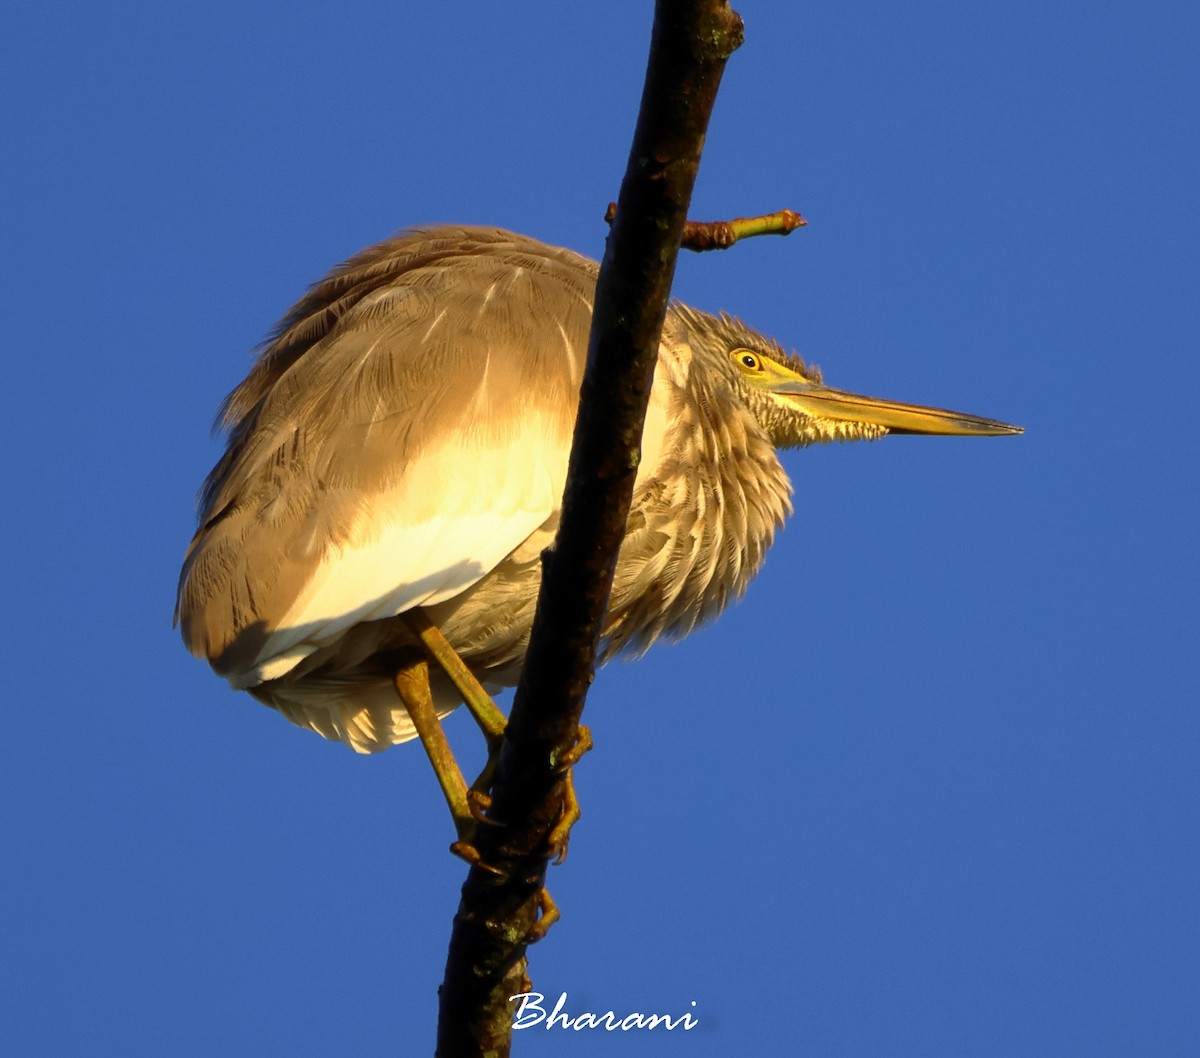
point(367, 717)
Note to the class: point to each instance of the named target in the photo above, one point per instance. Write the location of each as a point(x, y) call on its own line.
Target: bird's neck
point(704, 512)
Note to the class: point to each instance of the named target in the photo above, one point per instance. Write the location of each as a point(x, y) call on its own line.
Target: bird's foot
point(547, 916)
point(559, 837)
point(465, 850)
point(570, 757)
point(479, 803)
point(547, 910)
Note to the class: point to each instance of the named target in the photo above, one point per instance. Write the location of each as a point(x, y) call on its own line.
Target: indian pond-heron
point(400, 449)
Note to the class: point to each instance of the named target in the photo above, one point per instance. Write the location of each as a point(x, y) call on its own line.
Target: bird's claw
point(479, 803)
point(560, 834)
point(569, 758)
point(559, 837)
point(547, 916)
point(464, 850)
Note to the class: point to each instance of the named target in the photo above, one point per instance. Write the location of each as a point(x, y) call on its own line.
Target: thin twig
point(701, 235)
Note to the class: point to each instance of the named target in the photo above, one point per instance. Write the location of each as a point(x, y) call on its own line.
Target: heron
point(395, 464)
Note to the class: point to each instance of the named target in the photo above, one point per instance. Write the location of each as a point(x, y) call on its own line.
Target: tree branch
point(498, 913)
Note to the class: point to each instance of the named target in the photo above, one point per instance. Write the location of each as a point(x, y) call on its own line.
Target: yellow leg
point(490, 720)
point(412, 684)
point(468, 806)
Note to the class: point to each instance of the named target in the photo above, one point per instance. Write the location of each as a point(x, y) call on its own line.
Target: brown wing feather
point(391, 348)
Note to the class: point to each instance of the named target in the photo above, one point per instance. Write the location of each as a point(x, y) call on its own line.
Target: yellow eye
point(746, 360)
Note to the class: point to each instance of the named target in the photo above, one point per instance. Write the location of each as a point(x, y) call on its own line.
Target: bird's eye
point(748, 360)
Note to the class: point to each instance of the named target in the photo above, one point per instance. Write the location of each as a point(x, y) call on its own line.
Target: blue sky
point(930, 789)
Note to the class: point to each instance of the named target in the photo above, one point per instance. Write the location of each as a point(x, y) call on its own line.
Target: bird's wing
point(408, 427)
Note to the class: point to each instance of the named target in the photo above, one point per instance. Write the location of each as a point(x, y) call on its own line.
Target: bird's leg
point(469, 805)
point(489, 718)
point(412, 684)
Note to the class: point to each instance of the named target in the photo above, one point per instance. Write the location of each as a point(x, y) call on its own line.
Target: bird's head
point(793, 405)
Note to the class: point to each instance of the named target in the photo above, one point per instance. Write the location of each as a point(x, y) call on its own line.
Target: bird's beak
point(822, 402)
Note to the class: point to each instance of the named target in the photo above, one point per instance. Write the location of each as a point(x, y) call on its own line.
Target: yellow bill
point(823, 402)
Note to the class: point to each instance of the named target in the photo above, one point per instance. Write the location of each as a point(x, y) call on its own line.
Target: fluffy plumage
point(402, 441)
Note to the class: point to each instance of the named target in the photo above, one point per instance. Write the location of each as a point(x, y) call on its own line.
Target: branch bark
point(498, 913)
